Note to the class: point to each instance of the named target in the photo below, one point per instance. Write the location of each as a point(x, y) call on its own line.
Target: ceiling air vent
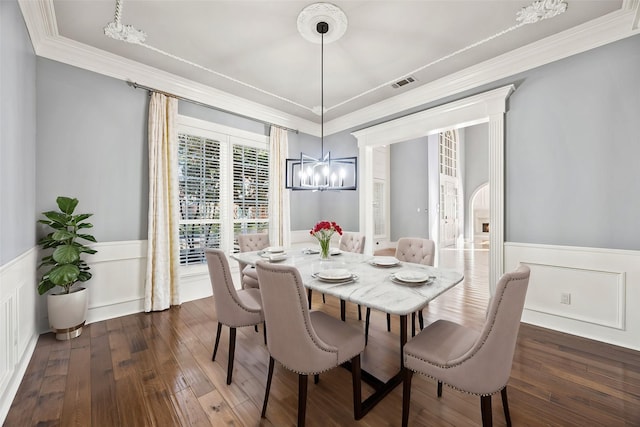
point(403, 82)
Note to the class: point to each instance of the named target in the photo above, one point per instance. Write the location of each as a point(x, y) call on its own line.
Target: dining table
point(370, 281)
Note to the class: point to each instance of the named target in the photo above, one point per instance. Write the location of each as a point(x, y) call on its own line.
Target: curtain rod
point(202, 104)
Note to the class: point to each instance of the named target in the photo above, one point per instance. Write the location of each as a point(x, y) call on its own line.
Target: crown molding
point(47, 43)
point(41, 23)
point(606, 29)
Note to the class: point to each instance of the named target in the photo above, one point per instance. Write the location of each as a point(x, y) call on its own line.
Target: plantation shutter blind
point(250, 190)
point(199, 172)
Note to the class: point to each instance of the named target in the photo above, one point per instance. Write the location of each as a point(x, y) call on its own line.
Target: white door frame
point(488, 107)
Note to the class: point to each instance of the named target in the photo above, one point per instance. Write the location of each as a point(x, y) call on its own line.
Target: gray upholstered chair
point(418, 251)
point(249, 243)
point(303, 341)
point(233, 308)
point(352, 242)
point(467, 360)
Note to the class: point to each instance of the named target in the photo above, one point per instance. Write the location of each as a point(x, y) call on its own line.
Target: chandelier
point(324, 172)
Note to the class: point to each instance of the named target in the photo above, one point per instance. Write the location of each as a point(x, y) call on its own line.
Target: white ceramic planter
point(68, 312)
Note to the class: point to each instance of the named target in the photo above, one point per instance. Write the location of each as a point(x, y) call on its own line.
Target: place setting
point(384, 261)
point(412, 278)
point(336, 276)
point(273, 253)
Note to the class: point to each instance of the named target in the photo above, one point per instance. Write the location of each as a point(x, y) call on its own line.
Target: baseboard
point(589, 292)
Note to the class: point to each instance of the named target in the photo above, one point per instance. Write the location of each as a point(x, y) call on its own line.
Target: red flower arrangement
point(323, 231)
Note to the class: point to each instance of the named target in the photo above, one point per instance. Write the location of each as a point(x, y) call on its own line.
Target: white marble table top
point(373, 287)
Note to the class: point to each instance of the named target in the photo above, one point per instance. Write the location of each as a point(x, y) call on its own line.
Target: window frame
point(228, 137)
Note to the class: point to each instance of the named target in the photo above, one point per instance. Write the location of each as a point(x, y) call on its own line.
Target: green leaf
point(88, 237)
point(57, 217)
point(44, 286)
point(87, 250)
point(66, 254)
point(64, 274)
point(79, 218)
point(85, 225)
point(59, 235)
point(84, 276)
point(67, 204)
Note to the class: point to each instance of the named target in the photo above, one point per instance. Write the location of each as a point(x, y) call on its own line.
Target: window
point(250, 191)
point(223, 176)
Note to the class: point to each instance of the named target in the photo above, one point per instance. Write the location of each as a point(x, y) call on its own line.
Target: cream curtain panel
point(279, 215)
point(162, 287)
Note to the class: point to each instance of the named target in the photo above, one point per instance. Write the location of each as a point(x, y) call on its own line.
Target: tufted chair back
point(249, 243)
point(416, 250)
point(352, 242)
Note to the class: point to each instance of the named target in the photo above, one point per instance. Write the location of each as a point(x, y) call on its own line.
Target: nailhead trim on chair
point(226, 273)
point(308, 328)
point(484, 338)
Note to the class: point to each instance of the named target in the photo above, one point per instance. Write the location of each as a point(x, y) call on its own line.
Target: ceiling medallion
point(539, 10)
point(311, 15)
point(126, 33)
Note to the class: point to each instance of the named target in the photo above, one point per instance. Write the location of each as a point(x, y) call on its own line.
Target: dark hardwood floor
point(156, 370)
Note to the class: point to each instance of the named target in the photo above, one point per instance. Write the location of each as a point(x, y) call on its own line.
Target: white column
point(496, 199)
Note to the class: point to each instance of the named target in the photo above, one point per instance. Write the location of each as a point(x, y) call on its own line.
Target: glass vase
point(324, 248)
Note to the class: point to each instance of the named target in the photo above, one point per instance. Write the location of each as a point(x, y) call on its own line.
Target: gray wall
point(476, 165)
point(571, 154)
point(92, 145)
point(573, 150)
point(17, 135)
point(409, 188)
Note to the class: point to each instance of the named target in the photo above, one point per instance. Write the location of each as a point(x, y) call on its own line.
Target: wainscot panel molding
point(581, 291)
point(19, 305)
point(119, 272)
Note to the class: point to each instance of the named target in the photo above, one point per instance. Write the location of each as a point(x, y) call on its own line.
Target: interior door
point(449, 188)
point(448, 212)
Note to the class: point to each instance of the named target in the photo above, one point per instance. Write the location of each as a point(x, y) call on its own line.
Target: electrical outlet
point(565, 298)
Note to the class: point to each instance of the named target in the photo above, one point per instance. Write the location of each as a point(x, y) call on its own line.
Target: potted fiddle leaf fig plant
point(63, 267)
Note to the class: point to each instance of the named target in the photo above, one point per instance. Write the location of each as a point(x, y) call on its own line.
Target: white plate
point(385, 260)
point(277, 257)
point(334, 274)
point(400, 282)
point(335, 251)
point(412, 276)
point(274, 249)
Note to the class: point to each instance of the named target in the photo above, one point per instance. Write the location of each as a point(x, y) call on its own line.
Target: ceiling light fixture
point(322, 173)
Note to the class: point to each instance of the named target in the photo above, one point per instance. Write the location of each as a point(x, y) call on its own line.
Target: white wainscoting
point(603, 286)
point(19, 304)
point(116, 289)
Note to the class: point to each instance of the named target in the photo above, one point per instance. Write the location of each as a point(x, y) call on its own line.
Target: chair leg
point(505, 406)
point(359, 312)
point(485, 407)
point(264, 332)
point(388, 322)
point(316, 378)
point(439, 388)
point(215, 346)
point(232, 350)
point(302, 399)
point(413, 324)
point(255, 328)
point(309, 292)
point(268, 388)
point(356, 379)
point(406, 395)
point(343, 310)
point(366, 326)
point(324, 301)
point(421, 320)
